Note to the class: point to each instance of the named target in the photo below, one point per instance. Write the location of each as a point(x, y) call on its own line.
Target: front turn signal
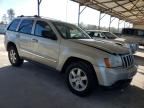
point(107, 62)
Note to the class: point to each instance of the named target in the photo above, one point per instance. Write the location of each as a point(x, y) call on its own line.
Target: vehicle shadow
point(35, 83)
point(139, 60)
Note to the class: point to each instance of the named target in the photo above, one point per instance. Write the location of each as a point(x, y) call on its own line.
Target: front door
point(47, 49)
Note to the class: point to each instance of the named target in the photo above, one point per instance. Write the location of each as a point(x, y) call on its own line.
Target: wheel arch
point(75, 59)
point(10, 43)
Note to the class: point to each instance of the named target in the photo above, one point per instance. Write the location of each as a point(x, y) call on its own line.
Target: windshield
point(69, 31)
point(109, 35)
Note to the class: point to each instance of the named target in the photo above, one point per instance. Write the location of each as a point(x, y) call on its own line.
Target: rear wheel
point(14, 58)
point(80, 78)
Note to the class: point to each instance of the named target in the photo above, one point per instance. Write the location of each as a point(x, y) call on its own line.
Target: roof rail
point(50, 18)
point(28, 16)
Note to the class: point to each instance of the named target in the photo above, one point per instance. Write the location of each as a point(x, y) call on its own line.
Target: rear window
point(26, 26)
point(14, 24)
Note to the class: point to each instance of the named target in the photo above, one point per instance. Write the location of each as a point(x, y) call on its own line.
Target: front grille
point(127, 60)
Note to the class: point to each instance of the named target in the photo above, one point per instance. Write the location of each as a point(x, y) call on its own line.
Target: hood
point(104, 45)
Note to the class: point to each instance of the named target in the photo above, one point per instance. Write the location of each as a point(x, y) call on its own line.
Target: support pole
point(39, 2)
point(109, 23)
point(124, 24)
point(118, 25)
point(79, 15)
point(99, 21)
point(129, 25)
point(111, 20)
point(100, 18)
point(80, 12)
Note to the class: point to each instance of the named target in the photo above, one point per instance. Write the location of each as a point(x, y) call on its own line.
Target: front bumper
point(109, 76)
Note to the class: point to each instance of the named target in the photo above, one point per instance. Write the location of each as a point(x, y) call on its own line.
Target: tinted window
point(43, 26)
point(14, 24)
point(26, 26)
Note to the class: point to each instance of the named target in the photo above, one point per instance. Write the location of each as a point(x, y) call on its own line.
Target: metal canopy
point(129, 10)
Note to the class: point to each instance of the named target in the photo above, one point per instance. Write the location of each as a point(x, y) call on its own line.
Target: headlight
point(114, 61)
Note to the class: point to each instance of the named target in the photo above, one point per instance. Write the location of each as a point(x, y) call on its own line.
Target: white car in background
point(105, 35)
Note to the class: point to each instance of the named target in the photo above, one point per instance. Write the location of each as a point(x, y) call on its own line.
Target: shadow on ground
point(139, 60)
point(37, 86)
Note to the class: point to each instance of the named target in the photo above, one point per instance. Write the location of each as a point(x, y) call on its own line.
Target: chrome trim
point(127, 60)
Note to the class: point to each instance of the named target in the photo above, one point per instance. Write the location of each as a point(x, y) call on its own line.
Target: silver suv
point(67, 48)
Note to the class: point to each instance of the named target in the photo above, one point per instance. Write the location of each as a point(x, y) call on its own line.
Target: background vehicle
point(134, 35)
point(71, 50)
point(105, 35)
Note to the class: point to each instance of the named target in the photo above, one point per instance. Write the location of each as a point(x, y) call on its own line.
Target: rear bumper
point(109, 76)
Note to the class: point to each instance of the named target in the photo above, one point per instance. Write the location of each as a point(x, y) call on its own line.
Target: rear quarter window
point(14, 24)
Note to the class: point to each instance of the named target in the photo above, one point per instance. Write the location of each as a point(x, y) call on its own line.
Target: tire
point(14, 57)
point(80, 78)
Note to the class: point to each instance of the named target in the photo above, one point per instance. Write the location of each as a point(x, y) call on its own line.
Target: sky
point(64, 10)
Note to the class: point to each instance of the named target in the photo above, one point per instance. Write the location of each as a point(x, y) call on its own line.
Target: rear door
point(25, 38)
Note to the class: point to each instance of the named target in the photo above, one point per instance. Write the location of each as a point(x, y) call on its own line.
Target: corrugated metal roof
point(128, 10)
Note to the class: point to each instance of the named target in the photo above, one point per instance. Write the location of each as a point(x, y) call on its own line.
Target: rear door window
point(14, 24)
point(26, 26)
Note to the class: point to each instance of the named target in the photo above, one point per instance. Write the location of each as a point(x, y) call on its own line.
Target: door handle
point(34, 40)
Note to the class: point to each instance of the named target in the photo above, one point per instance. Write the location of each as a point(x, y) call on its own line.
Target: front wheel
point(14, 58)
point(80, 78)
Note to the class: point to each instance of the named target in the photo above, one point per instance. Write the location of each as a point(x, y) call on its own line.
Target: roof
point(96, 31)
point(40, 17)
point(128, 10)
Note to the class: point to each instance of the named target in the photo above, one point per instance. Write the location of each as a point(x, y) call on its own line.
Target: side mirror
point(49, 35)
